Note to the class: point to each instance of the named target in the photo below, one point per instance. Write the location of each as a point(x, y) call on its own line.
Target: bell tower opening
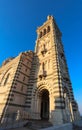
point(44, 105)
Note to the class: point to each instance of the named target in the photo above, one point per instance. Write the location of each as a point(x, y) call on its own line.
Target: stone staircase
point(37, 124)
point(76, 127)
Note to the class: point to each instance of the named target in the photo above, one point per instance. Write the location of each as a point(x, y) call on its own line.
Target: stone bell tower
point(51, 95)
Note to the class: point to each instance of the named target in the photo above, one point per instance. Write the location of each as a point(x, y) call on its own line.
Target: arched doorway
point(44, 104)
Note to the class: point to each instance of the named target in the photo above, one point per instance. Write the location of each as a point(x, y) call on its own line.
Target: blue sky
point(19, 20)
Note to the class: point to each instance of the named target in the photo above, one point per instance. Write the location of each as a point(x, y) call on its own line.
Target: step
point(37, 124)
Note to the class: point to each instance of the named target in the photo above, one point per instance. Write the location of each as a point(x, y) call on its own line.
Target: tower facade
point(49, 85)
point(37, 84)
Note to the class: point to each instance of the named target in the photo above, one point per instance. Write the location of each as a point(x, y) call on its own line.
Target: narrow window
point(24, 79)
point(44, 46)
point(6, 79)
point(22, 88)
point(48, 29)
point(27, 62)
point(26, 70)
point(40, 35)
point(43, 66)
point(44, 31)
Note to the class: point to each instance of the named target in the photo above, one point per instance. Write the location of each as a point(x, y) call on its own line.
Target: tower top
point(50, 17)
point(47, 26)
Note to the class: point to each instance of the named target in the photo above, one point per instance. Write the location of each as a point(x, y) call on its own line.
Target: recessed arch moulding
point(37, 99)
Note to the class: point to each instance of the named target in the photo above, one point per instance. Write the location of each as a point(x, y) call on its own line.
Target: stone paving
point(68, 126)
point(22, 128)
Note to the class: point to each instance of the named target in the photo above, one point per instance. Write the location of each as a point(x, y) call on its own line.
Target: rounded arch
point(43, 92)
point(41, 86)
point(39, 106)
point(5, 76)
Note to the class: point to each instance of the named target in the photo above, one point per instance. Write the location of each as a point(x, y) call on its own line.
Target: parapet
point(7, 60)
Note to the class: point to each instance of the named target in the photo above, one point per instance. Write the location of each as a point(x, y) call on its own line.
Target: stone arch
point(41, 86)
point(5, 75)
point(37, 101)
point(6, 79)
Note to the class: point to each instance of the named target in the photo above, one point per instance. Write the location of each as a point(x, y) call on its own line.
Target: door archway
point(44, 114)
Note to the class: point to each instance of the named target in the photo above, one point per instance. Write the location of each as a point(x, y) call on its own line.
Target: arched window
point(24, 78)
point(6, 79)
point(46, 64)
point(22, 87)
point(44, 32)
point(44, 46)
point(48, 29)
point(43, 66)
point(40, 35)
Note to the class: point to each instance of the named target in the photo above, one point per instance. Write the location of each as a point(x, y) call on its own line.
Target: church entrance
point(45, 104)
